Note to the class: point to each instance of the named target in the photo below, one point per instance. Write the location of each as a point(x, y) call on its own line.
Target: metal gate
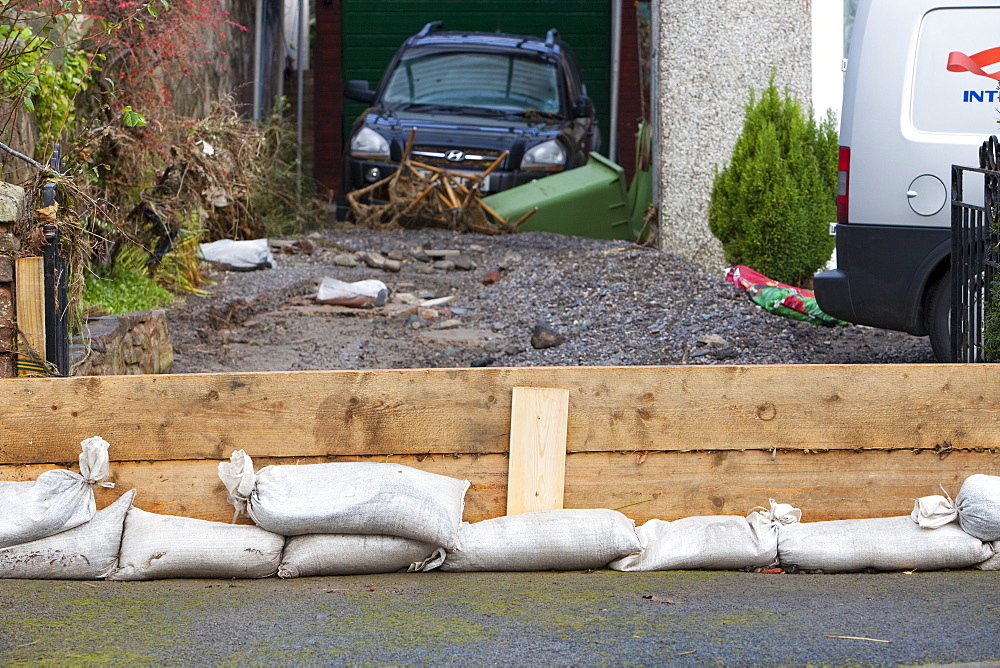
point(974, 254)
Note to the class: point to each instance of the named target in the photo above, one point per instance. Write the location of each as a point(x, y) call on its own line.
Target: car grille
point(454, 159)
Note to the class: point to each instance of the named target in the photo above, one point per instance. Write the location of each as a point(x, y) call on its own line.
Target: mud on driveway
point(609, 301)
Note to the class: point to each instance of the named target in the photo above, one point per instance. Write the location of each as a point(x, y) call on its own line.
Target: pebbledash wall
point(710, 54)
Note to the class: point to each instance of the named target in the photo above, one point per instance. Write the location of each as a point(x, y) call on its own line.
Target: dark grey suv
point(471, 96)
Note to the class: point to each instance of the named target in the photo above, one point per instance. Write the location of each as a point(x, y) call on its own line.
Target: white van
point(920, 94)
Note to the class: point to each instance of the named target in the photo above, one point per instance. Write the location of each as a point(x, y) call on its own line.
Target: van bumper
point(882, 274)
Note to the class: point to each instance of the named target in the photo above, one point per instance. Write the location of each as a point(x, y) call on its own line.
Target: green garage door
point(372, 31)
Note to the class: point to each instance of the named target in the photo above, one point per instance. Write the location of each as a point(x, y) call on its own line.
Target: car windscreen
point(488, 81)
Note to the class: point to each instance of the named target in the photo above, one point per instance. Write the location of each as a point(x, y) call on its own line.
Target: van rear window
point(957, 71)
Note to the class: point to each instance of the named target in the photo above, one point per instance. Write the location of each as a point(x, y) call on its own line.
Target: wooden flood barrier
point(666, 442)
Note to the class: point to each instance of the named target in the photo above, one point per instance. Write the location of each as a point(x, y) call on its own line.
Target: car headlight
point(548, 155)
point(369, 144)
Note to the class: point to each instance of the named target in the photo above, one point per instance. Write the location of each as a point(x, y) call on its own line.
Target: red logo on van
point(959, 62)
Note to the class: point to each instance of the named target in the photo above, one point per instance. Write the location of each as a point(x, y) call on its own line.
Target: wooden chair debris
point(422, 195)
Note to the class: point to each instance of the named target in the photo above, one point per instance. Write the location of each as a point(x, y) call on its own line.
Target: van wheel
point(937, 318)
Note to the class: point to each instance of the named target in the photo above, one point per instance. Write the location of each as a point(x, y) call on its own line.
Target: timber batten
point(839, 441)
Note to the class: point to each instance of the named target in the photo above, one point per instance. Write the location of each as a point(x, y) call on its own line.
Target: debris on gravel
point(529, 299)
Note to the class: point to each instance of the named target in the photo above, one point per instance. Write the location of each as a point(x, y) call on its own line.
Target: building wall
point(710, 53)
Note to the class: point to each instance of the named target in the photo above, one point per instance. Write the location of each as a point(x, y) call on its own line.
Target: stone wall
point(710, 54)
point(123, 345)
point(12, 202)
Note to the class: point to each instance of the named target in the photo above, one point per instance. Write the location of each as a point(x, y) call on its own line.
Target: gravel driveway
point(602, 302)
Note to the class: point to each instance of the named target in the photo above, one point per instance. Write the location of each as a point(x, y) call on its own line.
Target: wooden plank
point(30, 311)
point(665, 485)
point(537, 449)
point(419, 411)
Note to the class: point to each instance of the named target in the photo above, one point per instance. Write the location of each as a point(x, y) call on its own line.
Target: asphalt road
point(598, 618)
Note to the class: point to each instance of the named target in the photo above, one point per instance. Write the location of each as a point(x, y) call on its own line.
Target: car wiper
point(538, 114)
point(480, 111)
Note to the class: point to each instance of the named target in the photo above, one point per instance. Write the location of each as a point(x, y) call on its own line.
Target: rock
point(483, 361)
point(476, 248)
point(345, 260)
point(428, 313)
point(511, 259)
point(425, 269)
point(373, 260)
point(444, 265)
point(6, 268)
point(493, 347)
point(421, 256)
point(713, 340)
point(392, 265)
point(442, 253)
point(490, 277)
point(543, 336)
point(406, 298)
point(463, 262)
point(450, 323)
point(513, 349)
point(396, 254)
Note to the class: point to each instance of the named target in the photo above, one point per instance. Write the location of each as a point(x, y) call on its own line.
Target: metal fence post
point(56, 305)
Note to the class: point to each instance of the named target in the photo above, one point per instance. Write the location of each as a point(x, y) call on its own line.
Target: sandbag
point(367, 498)
point(993, 563)
point(56, 501)
point(166, 546)
point(978, 504)
point(87, 552)
point(933, 512)
point(560, 540)
point(882, 544)
point(721, 542)
point(238, 255)
point(345, 554)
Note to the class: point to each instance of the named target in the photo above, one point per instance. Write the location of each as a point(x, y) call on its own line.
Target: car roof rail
point(551, 36)
point(429, 28)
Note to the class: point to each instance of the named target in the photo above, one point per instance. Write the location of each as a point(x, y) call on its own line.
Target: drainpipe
point(258, 58)
point(301, 52)
point(616, 66)
point(654, 113)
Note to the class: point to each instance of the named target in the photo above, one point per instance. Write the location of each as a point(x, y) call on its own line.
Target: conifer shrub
point(772, 205)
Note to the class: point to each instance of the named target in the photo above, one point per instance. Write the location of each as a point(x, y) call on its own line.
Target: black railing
point(974, 254)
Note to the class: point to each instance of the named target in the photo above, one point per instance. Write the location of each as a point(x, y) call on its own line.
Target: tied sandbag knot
point(94, 464)
point(781, 514)
point(935, 511)
point(238, 477)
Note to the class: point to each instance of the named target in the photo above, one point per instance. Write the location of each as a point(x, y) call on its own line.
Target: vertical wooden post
point(30, 299)
point(537, 472)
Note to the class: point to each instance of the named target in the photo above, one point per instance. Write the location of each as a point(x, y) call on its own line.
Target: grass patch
point(125, 291)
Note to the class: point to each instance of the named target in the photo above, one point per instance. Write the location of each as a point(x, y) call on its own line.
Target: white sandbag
point(979, 506)
point(344, 554)
point(360, 294)
point(87, 552)
point(350, 497)
point(56, 501)
point(721, 542)
point(561, 540)
point(993, 563)
point(933, 512)
point(166, 546)
point(882, 544)
point(239, 255)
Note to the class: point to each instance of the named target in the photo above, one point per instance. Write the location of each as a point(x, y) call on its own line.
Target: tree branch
point(34, 163)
